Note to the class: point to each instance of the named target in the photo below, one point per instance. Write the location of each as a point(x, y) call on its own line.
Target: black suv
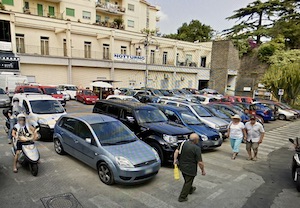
point(148, 123)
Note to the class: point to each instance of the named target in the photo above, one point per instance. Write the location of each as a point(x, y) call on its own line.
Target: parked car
point(208, 91)
point(270, 104)
point(106, 145)
point(52, 91)
point(70, 89)
point(122, 97)
point(65, 94)
point(148, 123)
point(210, 138)
point(259, 110)
point(218, 113)
point(284, 113)
point(201, 113)
point(86, 96)
point(42, 111)
point(4, 99)
point(205, 99)
point(27, 89)
point(287, 107)
point(192, 90)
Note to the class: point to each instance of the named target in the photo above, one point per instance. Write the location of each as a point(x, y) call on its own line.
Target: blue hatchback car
point(107, 145)
point(210, 138)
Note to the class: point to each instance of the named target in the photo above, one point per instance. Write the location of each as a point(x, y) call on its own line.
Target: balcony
point(33, 11)
point(54, 1)
point(111, 25)
point(110, 8)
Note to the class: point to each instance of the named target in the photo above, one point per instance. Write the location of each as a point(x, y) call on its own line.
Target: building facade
point(76, 42)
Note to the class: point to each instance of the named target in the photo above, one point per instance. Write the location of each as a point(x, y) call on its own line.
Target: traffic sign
point(280, 91)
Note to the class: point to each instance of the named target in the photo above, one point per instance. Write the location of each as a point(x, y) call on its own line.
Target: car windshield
point(217, 112)
point(50, 91)
point(113, 133)
point(88, 92)
point(186, 92)
point(132, 100)
point(2, 91)
point(71, 88)
point(201, 111)
point(150, 116)
point(189, 118)
point(165, 92)
point(46, 107)
point(157, 92)
point(31, 89)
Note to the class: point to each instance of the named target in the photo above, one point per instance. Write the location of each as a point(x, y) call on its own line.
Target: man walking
point(190, 159)
point(255, 134)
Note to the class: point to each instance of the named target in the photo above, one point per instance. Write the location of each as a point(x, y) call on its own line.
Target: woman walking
point(236, 133)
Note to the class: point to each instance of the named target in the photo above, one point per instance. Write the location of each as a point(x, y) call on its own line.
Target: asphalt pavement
point(228, 183)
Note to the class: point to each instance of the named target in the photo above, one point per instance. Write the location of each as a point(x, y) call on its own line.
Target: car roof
point(28, 86)
point(170, 107)
point(31, 96)
point(121, 96)
point(90, 118)
point(128, 104)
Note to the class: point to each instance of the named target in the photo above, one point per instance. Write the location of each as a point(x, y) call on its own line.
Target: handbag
point(176, 172)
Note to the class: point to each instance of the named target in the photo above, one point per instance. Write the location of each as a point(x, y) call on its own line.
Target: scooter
point(296, 162)
point(29, 154)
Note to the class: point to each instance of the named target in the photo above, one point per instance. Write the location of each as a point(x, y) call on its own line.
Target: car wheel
point(105, 174)
point(282, 117)
point(159, 151)
point(58, 147)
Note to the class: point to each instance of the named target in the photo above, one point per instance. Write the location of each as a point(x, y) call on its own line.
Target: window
point(86, 15)
point(20, 43)
point(105, 51)
point(113, 111)
point(70, 12)
point(69, 124)
point(83, 131)
point(8, 2)
point(45, 45)
point(65, 47)
point(106, 19)
point(40, 9)
point(130, 23)
point(51, 11)
point(87, 49)
point(98, 18)
point(26, 5)
point(165, 56)
point(152, 56)
point(123, 50)
point(5, 31)
point(137, 52)
point(130, 7)
point(203, 61)
point(189, 57)
point(177, 59)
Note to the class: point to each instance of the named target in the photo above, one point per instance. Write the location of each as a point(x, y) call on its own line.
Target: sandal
point(249, 158)
point(15, 170)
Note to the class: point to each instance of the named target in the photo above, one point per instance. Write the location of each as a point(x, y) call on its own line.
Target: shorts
point(253, 145)
point(19, 145)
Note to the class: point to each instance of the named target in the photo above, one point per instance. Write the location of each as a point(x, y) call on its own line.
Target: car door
point(67, 132)
point(171, 115)
point(86, 151)
point(127, 117)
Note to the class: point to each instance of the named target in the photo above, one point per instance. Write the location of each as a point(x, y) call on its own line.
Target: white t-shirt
point(117, 92)
point(254, 131)
point(236, 130)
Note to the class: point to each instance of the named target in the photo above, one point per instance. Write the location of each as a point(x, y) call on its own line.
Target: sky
point(210, 12)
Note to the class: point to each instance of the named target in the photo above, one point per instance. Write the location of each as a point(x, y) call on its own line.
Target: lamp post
point(147, 42)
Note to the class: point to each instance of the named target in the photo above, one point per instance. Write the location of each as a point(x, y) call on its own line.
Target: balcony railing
point(110, 8)
point(110, 25)
point(43, 13)
point(99, 55)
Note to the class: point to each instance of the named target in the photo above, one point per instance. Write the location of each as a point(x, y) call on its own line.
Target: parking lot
point(228, 183)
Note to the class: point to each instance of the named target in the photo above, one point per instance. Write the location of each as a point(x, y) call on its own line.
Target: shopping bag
point(176, 172)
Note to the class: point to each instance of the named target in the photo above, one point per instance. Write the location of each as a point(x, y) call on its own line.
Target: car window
point(101, 106)
point(46, 107)
point(69, 124)
point(172, 116)
point(83, 131)
point(30, 89)
point(113, 110)
point(202, 112)
point(172, 103)
point(50, 91)
point(2, 91)
point(189, 118)
point(125, 113)
point(150, 116)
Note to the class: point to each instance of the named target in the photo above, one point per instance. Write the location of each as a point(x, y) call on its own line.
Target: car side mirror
point(130, 119)
point(88, 140)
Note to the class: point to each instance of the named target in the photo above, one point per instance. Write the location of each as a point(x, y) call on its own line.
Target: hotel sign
point(5, 46)
point(128, 58)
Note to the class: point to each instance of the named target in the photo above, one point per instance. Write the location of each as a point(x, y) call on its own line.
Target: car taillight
point(266, 112)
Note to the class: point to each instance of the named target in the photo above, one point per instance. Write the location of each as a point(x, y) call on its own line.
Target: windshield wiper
point(125, 141)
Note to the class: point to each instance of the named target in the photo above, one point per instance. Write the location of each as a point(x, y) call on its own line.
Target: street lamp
point(147, 42)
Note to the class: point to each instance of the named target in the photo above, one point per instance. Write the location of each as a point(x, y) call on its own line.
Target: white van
point(10, 80)
point(41, 110)
point(69, 89)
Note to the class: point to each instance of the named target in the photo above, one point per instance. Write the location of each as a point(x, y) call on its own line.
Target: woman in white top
point(236, 133)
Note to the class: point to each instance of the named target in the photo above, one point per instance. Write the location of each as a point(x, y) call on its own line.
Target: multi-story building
point(65, 41)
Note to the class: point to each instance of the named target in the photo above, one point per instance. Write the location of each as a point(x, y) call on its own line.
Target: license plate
point(216, 142)
point(148, 171)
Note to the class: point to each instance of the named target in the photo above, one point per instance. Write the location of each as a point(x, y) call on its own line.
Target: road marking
point(269, 146)
point(240, 178)
point(216, 194)
point(222, 164)
point(144, 198)
point(204, 183)
point(217, 174)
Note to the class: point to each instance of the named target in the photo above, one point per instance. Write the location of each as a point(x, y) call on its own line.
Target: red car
point(86, 96)
point(27, 89)
point(50, 90)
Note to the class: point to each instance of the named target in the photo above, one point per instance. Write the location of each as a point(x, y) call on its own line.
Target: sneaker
point(183, 200)
point(193, 190)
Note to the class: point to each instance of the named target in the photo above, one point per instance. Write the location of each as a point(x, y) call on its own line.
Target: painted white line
point(216, 194)
point(224, 164)
point(268, 146)
point(204, 183)
point(217, 174)
point(240, 178)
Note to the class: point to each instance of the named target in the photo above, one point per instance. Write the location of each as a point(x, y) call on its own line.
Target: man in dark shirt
point(190, 159)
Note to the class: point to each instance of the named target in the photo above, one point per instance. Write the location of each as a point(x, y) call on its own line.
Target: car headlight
point(217, 127)
point(43, 121)
point(170, 138)
point(156, 155)
point(88, 98)
point(204, 137)
point(123, 162)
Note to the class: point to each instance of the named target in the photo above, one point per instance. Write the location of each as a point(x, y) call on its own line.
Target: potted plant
point(2, 7)
point(118, 22)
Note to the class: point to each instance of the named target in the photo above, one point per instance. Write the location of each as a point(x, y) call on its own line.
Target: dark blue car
point(210, 138)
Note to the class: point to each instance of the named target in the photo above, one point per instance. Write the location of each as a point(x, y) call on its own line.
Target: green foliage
point(284, 73)
point(2, 7)
point(243, 46)
point(119, 21)
point(268, 49)
point(194, 31)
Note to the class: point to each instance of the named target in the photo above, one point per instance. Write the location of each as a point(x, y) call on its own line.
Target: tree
point(194, 31)
point(284, 73)
point(251, 20)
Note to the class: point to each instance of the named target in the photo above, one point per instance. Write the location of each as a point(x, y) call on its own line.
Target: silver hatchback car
point(107, 145)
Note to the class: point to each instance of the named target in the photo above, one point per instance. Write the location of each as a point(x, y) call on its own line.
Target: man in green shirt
point(190, 159)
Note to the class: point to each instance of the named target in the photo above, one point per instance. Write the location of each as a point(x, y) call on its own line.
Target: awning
point(9, 61)
point(101, 84)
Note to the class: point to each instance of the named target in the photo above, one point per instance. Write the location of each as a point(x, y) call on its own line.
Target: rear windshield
point(71, 88)
point(88, 92)
point(30, 89)
point(50, 91)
